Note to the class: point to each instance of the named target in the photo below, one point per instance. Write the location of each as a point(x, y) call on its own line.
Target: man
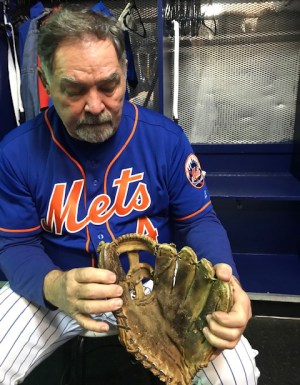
point(91, 168)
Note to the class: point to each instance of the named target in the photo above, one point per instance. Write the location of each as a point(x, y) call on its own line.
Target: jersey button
point(95, 182)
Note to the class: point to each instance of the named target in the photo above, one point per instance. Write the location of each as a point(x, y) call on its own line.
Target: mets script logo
point(193, 171)
point(63, 210)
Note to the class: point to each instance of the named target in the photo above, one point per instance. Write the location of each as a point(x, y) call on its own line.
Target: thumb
point(223, 271)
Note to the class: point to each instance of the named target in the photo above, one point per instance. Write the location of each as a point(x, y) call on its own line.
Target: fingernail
point(112, 277)
point(105, 328)
point(119, 290)
point(118, 303)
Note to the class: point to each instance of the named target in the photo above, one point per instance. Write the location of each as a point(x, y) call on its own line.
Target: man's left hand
point(225, 329)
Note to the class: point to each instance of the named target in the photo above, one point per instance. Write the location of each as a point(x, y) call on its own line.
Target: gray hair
point(75, 21)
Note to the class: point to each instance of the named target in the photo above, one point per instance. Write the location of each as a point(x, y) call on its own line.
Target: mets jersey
point(60, 197)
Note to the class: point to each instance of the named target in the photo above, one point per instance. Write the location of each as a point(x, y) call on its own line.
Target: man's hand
point(82, 292)
point(225, 329)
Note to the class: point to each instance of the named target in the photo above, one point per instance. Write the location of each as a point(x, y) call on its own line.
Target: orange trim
point(88, 237)
point(65, 151)
point(116, 157)
point(43, 96)
point(195, 213)
point(20, 231)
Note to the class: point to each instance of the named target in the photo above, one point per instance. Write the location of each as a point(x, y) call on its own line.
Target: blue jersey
point(60, 197)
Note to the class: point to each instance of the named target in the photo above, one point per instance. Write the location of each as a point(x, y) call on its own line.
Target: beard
point(95, 129)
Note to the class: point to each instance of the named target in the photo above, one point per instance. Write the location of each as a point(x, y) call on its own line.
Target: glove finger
point(220, 297)
point(109, 259)
point(200, 288)
point(165, 270)
point(185, 274)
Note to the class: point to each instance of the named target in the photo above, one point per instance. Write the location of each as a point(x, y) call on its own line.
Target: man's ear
point(43, 80)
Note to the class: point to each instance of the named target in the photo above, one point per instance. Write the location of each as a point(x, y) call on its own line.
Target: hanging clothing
point(8, 119)
point(35, 11)
point(29, 74)
point(10, 76)
point(14, 73)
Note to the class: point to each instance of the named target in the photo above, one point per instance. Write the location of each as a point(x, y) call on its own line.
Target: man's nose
point(94, 102)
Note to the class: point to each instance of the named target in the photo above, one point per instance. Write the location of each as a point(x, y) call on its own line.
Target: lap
point(29, 334)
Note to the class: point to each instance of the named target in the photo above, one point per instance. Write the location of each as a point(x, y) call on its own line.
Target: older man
point(90, 168)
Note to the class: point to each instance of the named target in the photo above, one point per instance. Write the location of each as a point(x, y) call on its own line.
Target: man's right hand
point(82, 292)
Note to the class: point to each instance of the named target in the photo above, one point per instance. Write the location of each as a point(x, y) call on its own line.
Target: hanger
point(130, 19)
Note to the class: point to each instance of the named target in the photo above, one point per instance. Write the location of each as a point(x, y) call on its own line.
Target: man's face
point(87, 86)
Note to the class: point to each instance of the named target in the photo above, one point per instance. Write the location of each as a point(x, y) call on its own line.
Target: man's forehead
point(76, 50)
point(70, 80)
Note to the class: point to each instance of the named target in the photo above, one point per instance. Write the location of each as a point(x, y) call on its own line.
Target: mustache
point(94, 120)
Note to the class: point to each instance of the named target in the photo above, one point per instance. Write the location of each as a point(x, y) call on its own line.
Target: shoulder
point(156, 122)
point(24, 134)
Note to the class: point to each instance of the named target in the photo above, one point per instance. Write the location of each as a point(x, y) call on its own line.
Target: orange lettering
point(63, 211)
point(145, 227)
point(58, 214)
point(140, 199)
point(98, 208)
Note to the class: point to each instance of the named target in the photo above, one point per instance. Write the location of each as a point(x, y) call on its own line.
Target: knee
point(232, 367)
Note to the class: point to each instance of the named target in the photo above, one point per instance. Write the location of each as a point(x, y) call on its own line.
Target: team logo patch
point(193, 171)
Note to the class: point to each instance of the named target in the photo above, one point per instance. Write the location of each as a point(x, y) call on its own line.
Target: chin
point(95, 136)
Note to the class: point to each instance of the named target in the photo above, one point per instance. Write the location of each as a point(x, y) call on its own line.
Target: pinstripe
point(251, 361)
point(43, 331)
point(237, 353)
point(50, 336)
point(230, 368)
point(11, 307)
point(13, 325)
point(13, 344)
point(29, 338)
point(3, 291)
point(46, 350)
point(217, 372)
point(208, 380)
point(55, 346)
point(227, 370)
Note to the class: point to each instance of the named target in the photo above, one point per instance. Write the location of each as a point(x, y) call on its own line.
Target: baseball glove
point(163, 329)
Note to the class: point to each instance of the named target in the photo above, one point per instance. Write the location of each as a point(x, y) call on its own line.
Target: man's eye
point(108, 89)
point(74, 92)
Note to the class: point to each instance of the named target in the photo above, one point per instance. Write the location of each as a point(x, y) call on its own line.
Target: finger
point(99, 291)
point(233, 319)
point(222, 332)
point(218, 342)
point(91, 324)
point(92, 274)
point(241, 299)
point(240, 312)
point(99, 306)
point(223, 271)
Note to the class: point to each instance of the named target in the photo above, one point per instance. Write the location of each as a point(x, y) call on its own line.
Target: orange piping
point(195, 213)
point(20, 231)
point(115, 158)
point(80, 169)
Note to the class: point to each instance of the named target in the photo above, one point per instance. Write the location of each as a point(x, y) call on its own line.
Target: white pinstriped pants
point(29, 334)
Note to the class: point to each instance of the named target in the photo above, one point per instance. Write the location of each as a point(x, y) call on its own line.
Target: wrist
point(51, 286)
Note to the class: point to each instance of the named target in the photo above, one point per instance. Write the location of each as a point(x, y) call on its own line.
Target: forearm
point(25, 265)
point(208, 238)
